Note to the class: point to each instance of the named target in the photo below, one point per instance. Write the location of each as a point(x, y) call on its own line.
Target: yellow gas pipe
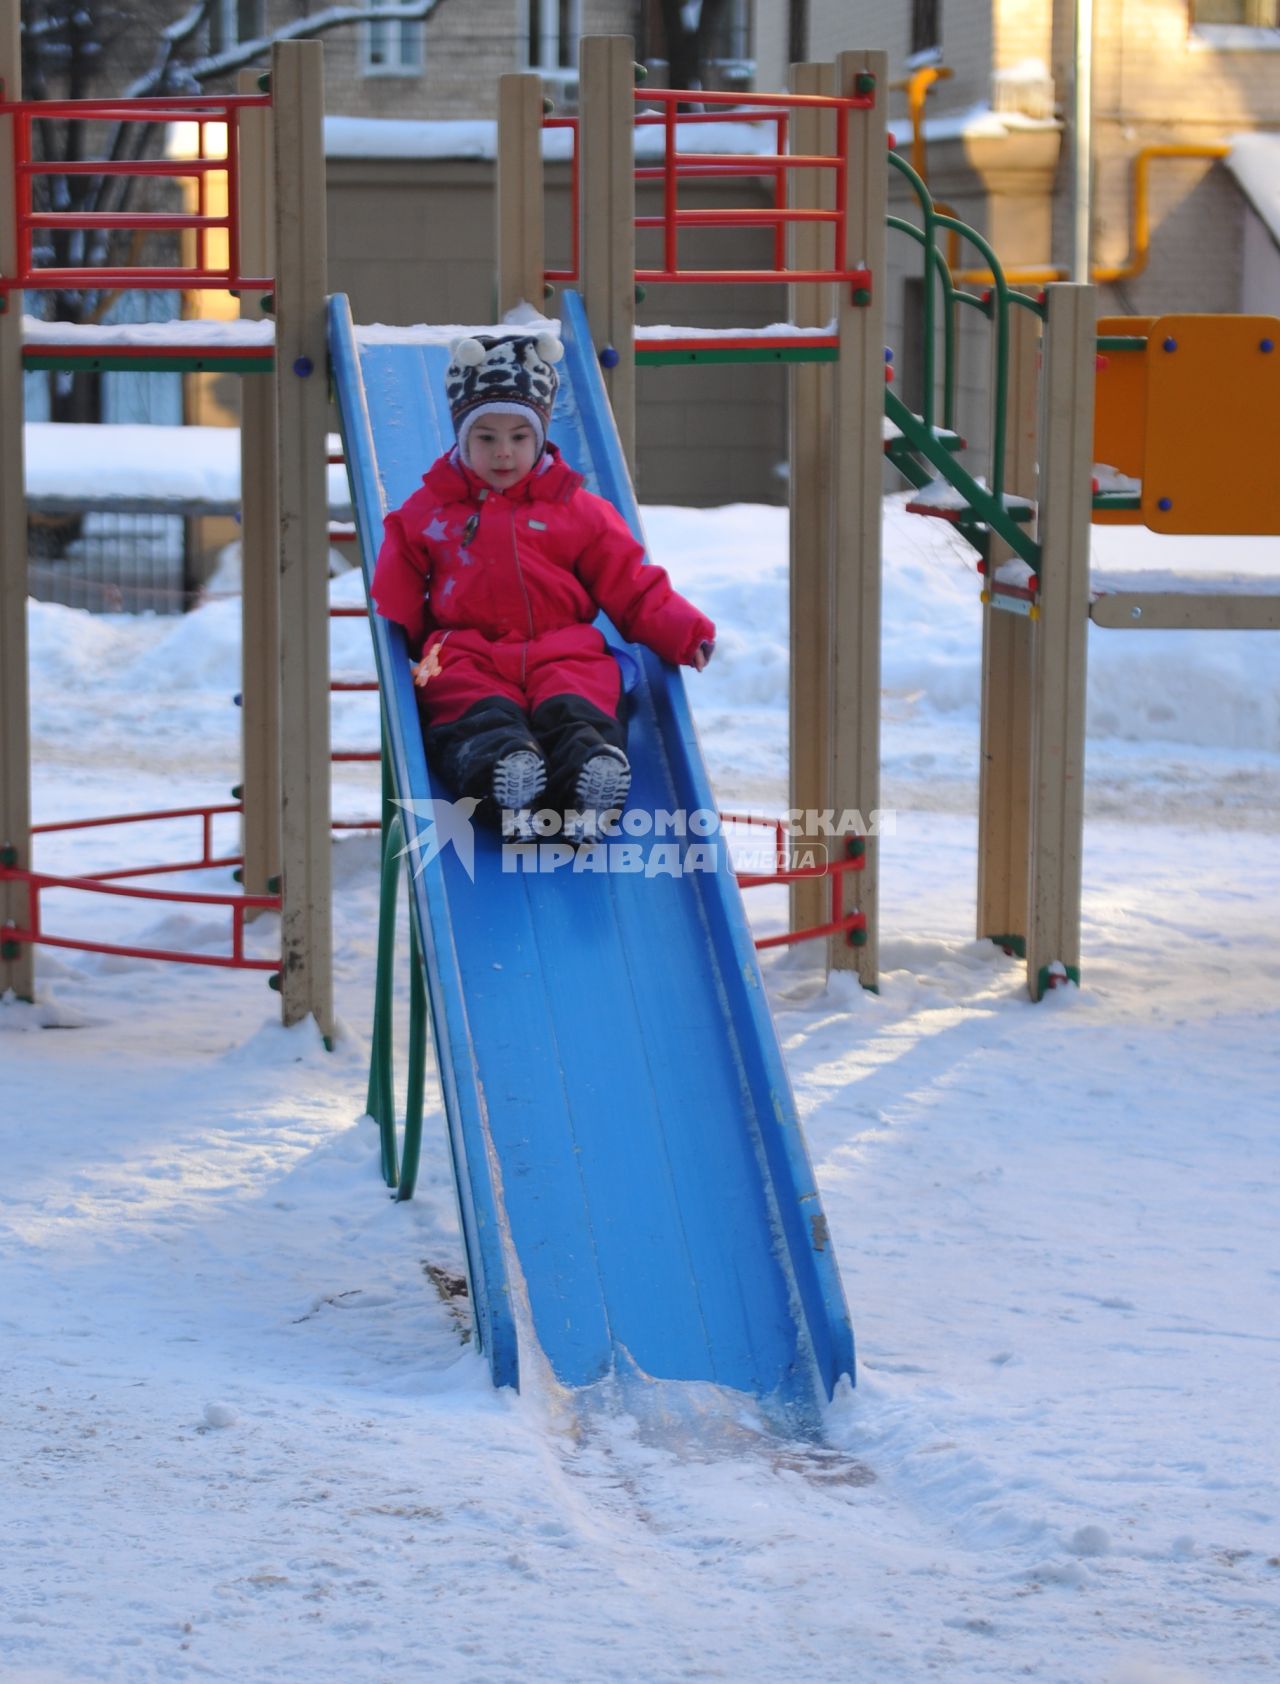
point(917, 87)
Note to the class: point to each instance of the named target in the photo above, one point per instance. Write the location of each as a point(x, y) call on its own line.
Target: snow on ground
point(243, 1432)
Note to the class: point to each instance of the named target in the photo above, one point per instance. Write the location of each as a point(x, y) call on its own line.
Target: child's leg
point(475, 726)
point(467, 751)
point(572, 732)
point(578, 714)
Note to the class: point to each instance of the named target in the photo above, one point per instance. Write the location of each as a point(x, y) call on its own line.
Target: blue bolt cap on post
point(1171, 344)
point(303, 367)
point(1165, 504)
point(609, 357)
point(1267, 345)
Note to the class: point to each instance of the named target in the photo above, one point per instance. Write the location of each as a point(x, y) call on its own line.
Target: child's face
point(502, 449)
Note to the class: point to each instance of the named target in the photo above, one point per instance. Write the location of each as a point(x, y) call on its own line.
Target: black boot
point(489, 753)
point(587, 766)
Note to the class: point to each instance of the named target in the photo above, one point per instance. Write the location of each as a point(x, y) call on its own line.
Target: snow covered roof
point(477, 138)
point(193, 334)
point(972, 123)
point(385, 137)
point(1254, 160)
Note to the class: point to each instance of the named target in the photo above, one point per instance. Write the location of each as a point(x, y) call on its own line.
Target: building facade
point(1186, 73)
point(1198, 76)
point(446, 64)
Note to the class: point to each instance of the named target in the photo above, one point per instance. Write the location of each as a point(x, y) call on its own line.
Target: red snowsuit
point(504, 585)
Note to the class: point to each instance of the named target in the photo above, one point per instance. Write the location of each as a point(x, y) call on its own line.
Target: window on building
point(926, 26)
point(1246, 14)
point(391, 47)
point(551, 35)
point(233, 21)
point(729, 59)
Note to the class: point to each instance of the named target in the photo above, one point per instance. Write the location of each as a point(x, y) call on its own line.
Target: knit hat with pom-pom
point(513, 376)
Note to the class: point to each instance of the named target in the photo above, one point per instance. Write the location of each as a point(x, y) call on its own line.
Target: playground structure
point(565, 1112)
point(1030, 818)
point(272, 253)
point(632, 1181)
point(1065, 452)
point(836, 633)
point(636, 1242)
point(831, 202)
point(591, 1210)
point(1143, 384)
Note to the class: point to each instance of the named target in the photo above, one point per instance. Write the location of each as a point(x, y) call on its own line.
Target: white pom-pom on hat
point(548, 347)
point(467, 353)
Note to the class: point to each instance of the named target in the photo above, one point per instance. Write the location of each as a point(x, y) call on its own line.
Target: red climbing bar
point(200, 110)
point(571, 273)
point(745, 106)
point(677, 166)
point(670, 216)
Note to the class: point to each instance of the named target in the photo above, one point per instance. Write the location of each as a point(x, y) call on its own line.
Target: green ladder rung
point(956, 513)
point(715, 354)
point(123, 362)
point(945, 437)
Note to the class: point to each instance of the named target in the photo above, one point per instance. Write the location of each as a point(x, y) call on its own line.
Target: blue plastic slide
point(633, 1186)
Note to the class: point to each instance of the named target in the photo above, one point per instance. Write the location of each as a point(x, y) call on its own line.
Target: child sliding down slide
point(496, 569)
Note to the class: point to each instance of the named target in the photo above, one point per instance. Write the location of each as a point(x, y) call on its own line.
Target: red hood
point(549, 480)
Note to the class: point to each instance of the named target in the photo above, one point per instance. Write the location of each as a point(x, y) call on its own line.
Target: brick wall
point(466, 46)
point(885, 26)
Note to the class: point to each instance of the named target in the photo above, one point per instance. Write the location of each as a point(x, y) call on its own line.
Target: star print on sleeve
point(437, 529)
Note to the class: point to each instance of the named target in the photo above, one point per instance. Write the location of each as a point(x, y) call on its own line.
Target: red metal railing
point(207, 857)
point(840, 921)
point(677, 166)
point(37, 882)
point(202, 110)
point(571, 273)
point(105, 883)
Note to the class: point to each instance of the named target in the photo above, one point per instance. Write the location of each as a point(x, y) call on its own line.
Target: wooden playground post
point(260, 524)
point(809, 449)
point(1004, 761)
point(521, 238)
point(607, 213)
point(858, 445)
point(17, 968)
point(297, 82)
point(1060, 645)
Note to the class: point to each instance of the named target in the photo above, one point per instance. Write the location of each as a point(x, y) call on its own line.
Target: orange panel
point(1120, 409)
point(1213, 421)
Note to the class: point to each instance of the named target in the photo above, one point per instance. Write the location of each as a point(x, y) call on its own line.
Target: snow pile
point(1254, 160)
point(177, 464)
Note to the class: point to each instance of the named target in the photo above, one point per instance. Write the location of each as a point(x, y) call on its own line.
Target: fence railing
point(677, 167)
point(31, 223)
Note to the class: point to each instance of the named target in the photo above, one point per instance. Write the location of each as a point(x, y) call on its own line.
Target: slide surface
point(634, 1191)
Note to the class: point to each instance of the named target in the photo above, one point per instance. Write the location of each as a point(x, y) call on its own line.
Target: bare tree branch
point(172, 74)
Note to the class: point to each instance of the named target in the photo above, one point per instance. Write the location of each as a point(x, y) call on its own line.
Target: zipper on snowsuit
point(524, 591)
